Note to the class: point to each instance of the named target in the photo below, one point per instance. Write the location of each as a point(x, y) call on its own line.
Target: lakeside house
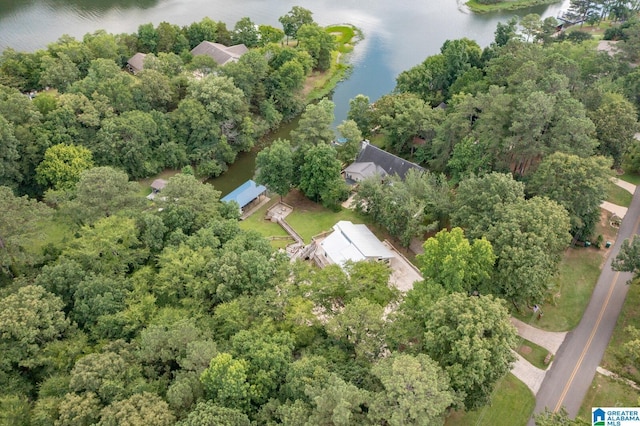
point(219, 52)
point(135, 64)
point(372, 161)
point(352, 242)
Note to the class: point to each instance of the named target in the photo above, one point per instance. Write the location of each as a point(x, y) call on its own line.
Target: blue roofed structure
point(245, 194)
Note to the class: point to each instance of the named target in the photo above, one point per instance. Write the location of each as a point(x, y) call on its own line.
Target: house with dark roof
point(135, 64)
point(372, 161)
point(219, 52)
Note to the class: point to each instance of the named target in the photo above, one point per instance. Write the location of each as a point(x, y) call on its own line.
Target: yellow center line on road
point(593, 332)
point(586, 347)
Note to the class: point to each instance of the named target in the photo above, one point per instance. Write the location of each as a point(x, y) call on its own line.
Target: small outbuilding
point(156, 186)
point(352, 242)
point(135, 64)
point(246, 195)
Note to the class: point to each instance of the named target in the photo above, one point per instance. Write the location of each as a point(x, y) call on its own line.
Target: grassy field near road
point(607, 392)
point(533, 353)
point(619, 196)
point(614, 358)
point(574, 283)
point(633, 178)
point(511, 405)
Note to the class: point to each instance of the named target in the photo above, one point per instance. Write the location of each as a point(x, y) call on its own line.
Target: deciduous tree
point(20, 219)
point(416, 391)
point(480, 200)
point(471, 338)
point(319, 171)
point(314, 126)
point(294, 19)
point(578, 184)
point(449, 259)
point(138, 410)
point(29, 319)
point(62, 165)
point(275, 167)
point(628, 259)
point(528, 239)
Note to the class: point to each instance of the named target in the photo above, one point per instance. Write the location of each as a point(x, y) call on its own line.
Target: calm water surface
point(398, 34)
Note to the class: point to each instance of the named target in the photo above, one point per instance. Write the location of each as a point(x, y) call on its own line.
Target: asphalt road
point(575, 364)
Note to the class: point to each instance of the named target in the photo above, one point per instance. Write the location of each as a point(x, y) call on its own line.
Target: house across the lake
point(246, 195)
point(135, 64)
point(351, 242)
point(372, 161)
point(219, 52)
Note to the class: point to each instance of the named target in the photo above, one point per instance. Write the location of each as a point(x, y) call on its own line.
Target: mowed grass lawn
point(619, 196)
point(577, 276)
point(533, 353)
point(607, 392)
point(511, 405)
point(614, 358)
point(266, 228)
point(630, 177)
point(309, 218)
point(50, 231)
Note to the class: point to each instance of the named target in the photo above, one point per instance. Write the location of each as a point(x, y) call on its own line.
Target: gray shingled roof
point(136, 62)
point(219, 52)
point(390, 163)
point(158, 184)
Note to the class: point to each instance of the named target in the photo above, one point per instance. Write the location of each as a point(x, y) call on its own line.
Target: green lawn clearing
point(320, 84)
point(310, 223)
point(268, 229)
point(533, 353)
point(51, 231)
point(574, 283)
point(145, 184)
point(344, 35)
point(607, 392)
point(630, 177)
point(511, 405)
point(619, 196)
point(614, 357)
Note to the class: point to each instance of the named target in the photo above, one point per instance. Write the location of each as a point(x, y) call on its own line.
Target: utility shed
point(352, 242)
point(245, 194)
point(156, 186)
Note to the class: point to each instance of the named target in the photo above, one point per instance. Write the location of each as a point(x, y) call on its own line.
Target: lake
point(397, 35)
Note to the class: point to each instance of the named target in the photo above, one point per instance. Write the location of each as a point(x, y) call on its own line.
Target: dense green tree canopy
point(628, 260)
point(275, 167)
point(583, 186)
point(20, 219)
point(449, 259)
point(471, 338)
point(62, 165)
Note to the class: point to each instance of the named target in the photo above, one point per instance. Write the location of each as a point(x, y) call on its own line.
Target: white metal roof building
point(353, 242)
